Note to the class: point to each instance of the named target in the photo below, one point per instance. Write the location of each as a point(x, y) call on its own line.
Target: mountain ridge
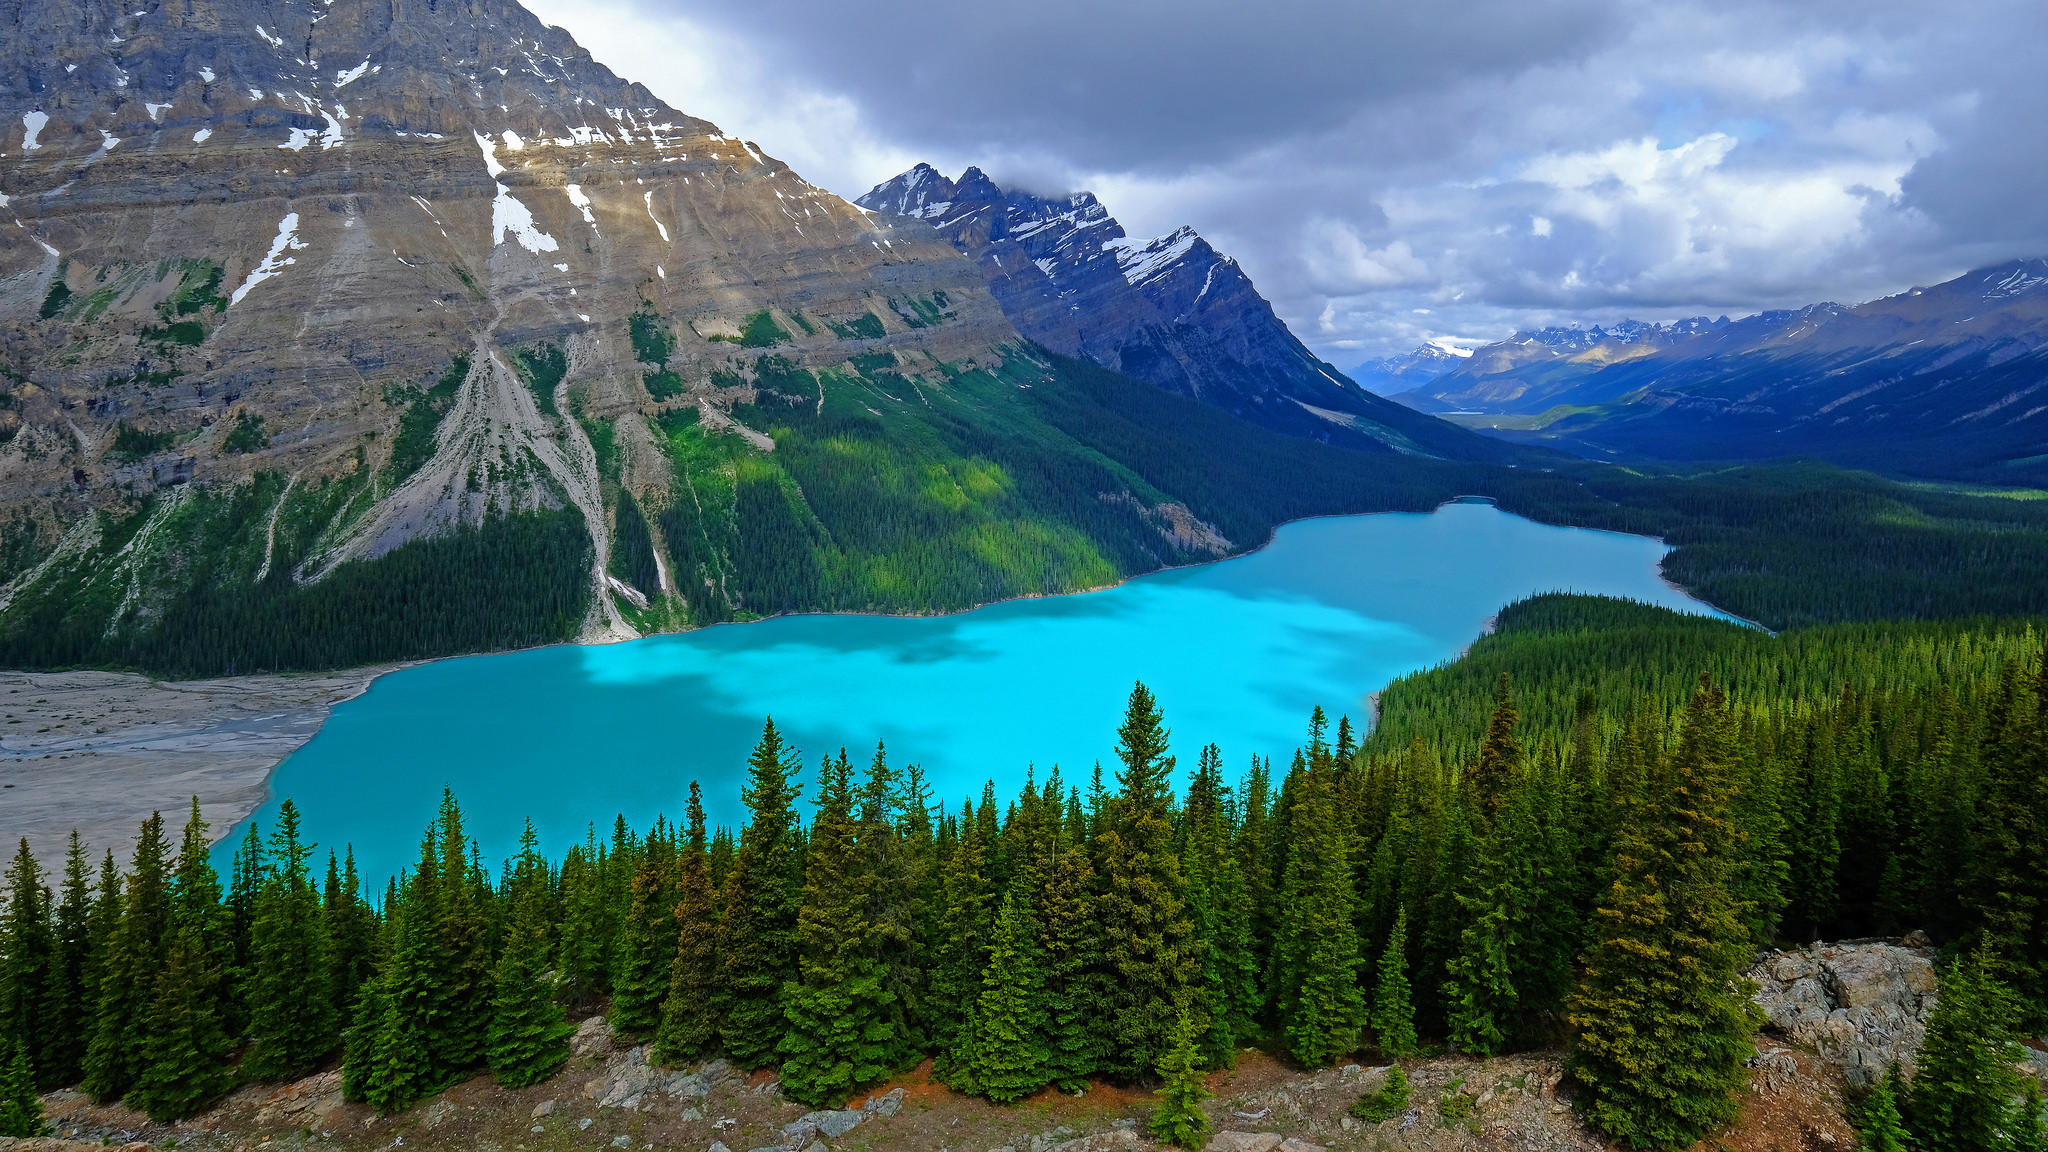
point(1171, 310)
point(1944, 381)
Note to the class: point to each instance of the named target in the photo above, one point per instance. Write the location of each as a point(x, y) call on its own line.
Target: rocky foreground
point(1839, 1014)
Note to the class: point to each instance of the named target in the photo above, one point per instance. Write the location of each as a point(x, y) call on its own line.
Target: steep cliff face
point(1171, 311)
point(288, 286)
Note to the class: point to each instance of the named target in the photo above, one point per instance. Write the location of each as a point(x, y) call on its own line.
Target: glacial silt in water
point(1237, 652)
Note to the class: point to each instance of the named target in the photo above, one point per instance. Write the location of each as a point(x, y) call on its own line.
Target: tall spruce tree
point(1661, 1029)
point(888, 858)
point(135, 955)
point(27, 956)
point(1147, 937)
point(645, 948)
point(689, 1023)
point(1965, 1094)
point(965, 921)
point(1393, 1011)
point(1315, 954)
point(841, 1031)
point(353, 936)
point(1070, 950)
point(186, 1043)
point(1004, 1054)
point(457, 1038)
point(21, 1110)
point(74, 972)
point(290, 1002)
point(759, 945)
point(2010, 881)
point(528, 1040)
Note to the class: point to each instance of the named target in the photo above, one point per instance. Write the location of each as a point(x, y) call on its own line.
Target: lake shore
point(100, 751)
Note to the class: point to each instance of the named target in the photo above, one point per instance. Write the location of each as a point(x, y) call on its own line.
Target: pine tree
point(528, 1037)
point(1315, 955)
point(1070, 947)
point(21, 1110)
point(186, 1044)
point(458, 1033)
point(964, 927)
point(1147, 938)
point(1481, 994)
point(1964, 1088)
point(2010, 884)
point(1500, 758)
point(758, 950)
point(352, 936)
point(689, 1027)
point(583, 950)
point(1179, 1119)
point(1393, 1013)
point(27, 953)
point(1879, 1126)
point(890, 859)
point(135, 956)
point(1005, 1057)
point(74, 972)
point(1661, 1029)
point(644, 954)
point(840, 1035)
point(290, 1002)
point(401, 1015)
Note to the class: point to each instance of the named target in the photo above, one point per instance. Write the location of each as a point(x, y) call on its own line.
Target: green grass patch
point(132, 444)
point(869, 363)
point(246, 436)
point(866, 326)
point(189, 333)
point(762, 331)
point(56, 298)
point(665, 384)
point(653, 342)
point(542, 367)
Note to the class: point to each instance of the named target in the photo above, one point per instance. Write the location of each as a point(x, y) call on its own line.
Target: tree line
point(1599, 893)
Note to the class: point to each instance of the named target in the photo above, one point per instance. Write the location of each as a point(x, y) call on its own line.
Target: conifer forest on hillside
point(1574, 837)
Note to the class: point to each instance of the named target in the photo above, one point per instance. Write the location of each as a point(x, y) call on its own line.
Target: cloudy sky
point(1391, 171)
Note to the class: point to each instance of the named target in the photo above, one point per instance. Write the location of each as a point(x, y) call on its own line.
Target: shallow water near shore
point(1237, 652)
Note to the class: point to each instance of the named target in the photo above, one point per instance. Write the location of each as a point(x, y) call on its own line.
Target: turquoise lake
point(1237, 652)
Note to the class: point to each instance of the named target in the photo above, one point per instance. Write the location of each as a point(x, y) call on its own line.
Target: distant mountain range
point(1170, 311)
point(1949, 381)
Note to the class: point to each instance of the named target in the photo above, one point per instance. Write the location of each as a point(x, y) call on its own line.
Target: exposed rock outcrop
point(1861, 1005)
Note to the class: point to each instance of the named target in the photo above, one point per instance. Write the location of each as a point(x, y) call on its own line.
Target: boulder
point(593, 1038)
point(1863, 1006)
point(887, 1104)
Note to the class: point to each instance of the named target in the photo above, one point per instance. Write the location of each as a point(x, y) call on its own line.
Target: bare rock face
point(1862, 1006)
point(405, 255)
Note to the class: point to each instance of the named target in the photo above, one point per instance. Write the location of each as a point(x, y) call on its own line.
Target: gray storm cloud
point(1389, 172)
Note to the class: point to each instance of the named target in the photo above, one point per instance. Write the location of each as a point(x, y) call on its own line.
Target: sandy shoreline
point(100, 751)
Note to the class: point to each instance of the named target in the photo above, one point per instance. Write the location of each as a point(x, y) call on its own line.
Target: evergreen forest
point(1559, 841)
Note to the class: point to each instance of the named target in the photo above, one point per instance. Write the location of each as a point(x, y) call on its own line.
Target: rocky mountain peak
point(1170, 310)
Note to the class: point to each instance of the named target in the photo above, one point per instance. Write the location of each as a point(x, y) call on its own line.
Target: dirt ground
point(1456, 1105)
point(100, 751)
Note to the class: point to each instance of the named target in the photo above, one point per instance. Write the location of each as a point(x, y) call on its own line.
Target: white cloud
point(1500, 164)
